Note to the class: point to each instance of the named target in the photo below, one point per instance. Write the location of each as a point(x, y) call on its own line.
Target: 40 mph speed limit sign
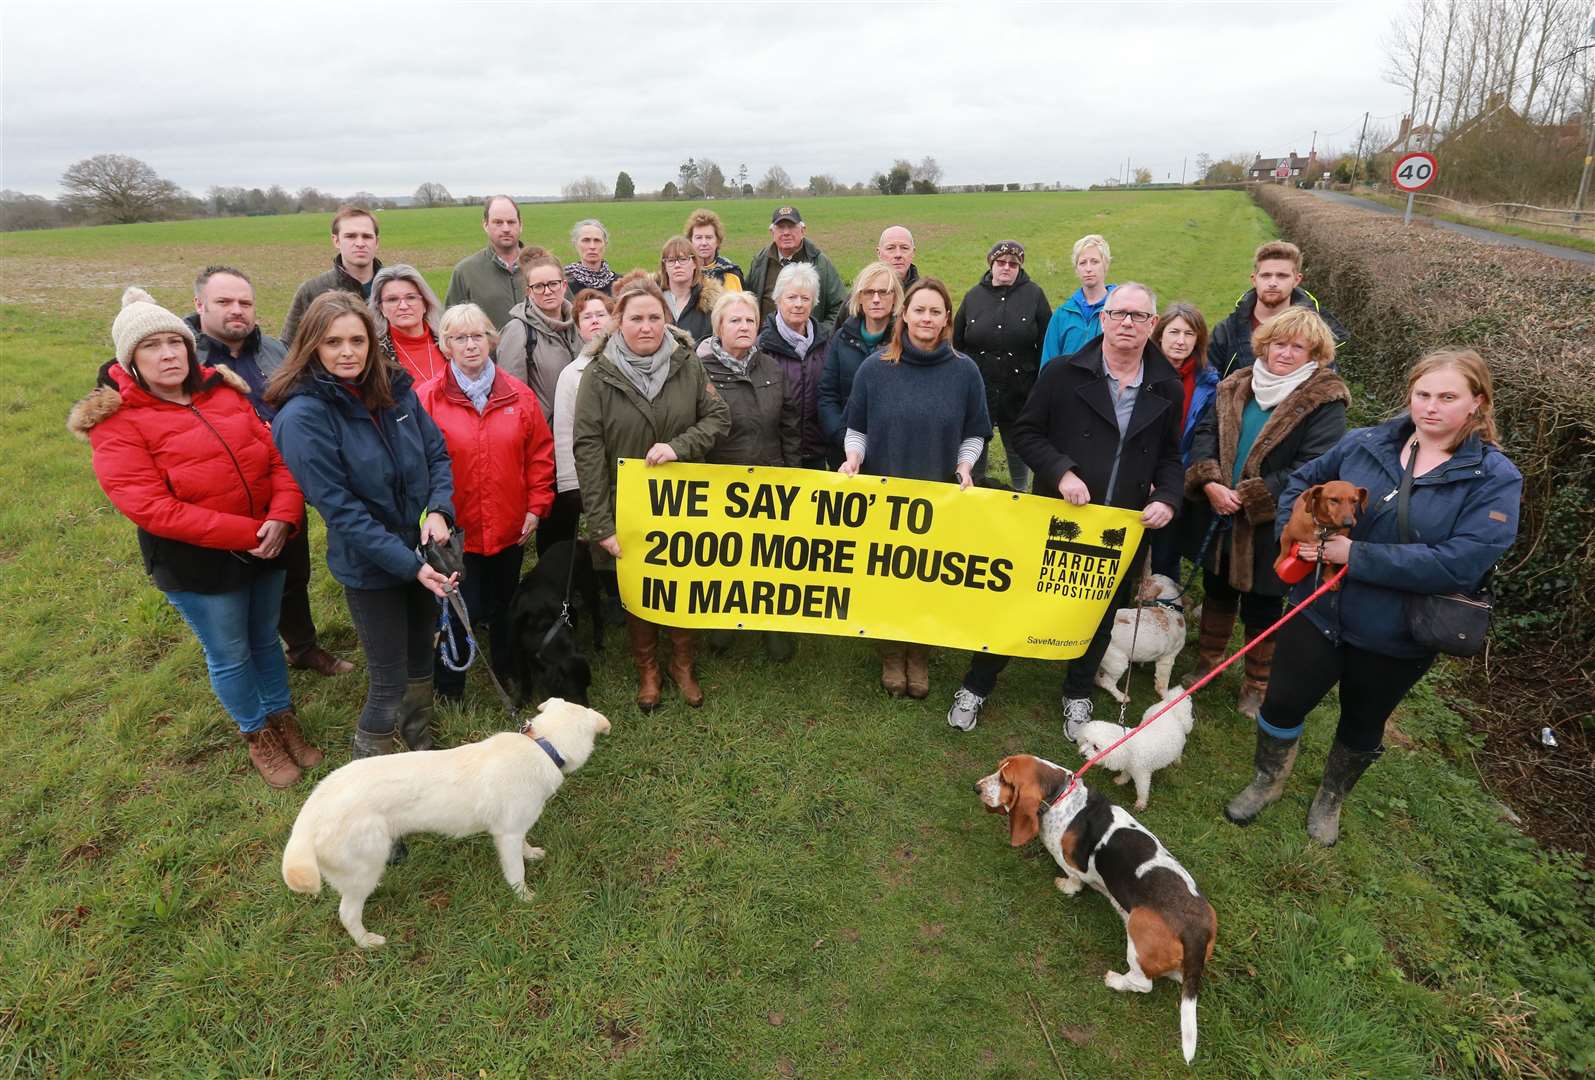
point(1414, 171)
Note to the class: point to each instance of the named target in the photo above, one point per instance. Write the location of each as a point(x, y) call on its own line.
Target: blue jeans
point(238, 631)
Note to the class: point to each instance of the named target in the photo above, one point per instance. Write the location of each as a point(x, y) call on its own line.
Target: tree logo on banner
point(1077, 571)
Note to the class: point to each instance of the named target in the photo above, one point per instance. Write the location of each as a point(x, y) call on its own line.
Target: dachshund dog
point(1322, 511)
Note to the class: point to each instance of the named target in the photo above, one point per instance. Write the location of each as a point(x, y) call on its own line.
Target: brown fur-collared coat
point(1307, 423)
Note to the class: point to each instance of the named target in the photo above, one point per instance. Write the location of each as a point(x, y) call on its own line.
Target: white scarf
point(800, 342)
point(1270, 389)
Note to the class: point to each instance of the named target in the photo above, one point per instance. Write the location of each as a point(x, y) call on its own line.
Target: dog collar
point(548, 748)
point(1173, 602)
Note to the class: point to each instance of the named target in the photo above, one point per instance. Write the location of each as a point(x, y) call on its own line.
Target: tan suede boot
point(682, 647)
point(894, 672)
point(917, 664)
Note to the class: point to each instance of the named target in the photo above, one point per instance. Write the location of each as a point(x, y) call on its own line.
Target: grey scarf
point(736, 367)
point(646, 373)
point(476, 389)
point(800, 342)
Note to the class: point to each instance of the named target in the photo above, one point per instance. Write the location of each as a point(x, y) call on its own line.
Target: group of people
point(502, 413)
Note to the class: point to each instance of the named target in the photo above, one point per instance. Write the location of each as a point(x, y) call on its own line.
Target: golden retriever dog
point(498, 786)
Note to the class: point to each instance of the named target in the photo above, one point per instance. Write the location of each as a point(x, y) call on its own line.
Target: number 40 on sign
point(1412, 173)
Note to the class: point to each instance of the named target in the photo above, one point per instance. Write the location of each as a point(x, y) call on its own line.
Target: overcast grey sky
point(485, 96)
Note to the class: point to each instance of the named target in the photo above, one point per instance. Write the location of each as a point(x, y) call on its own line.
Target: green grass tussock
point(795, 880)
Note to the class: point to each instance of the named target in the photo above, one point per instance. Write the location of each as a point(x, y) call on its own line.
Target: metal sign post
point(1412, 173)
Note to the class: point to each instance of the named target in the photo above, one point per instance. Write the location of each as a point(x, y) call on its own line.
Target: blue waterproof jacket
point(1462, 519)
point(1201, 401)
point(371, 475)
point(1074, 326)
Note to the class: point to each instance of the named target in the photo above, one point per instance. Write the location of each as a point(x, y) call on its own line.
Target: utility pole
point(1356, 165)
point(1583, 183)
point(1183, 163)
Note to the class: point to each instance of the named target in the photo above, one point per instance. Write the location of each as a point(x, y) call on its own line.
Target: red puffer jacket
point(204, 475)
point(503, 459)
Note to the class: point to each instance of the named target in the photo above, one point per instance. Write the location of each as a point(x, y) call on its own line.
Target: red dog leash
point(1204, 680)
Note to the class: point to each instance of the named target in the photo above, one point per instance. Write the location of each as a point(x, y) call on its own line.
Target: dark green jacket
point(614, 421)
point(481, 279)
point(336, 278)
point(767, 267)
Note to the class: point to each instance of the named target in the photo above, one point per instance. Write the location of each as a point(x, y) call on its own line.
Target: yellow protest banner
point(739, 547)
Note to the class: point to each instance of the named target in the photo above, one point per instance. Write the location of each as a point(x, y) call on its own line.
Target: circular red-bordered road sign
point(1414, 171)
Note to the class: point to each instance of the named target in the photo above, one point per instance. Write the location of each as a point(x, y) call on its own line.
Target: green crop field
point(795, 880)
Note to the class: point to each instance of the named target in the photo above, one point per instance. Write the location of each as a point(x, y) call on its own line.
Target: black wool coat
point(1068, 423)
point(1001, 328)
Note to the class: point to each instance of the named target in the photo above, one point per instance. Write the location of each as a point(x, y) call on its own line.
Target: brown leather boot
point(682, 647)
point(266, 753)
point(1212, 640)
point(894, 671)
point(286, 724)
point(644, 637)
point(1259, 665)
point(917, 664)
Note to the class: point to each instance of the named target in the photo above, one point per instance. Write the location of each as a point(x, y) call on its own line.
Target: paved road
point(1486, 235)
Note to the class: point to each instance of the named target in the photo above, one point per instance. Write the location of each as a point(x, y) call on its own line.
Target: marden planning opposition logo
point(1075, 570)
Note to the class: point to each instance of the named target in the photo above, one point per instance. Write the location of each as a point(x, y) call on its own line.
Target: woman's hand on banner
point(851, 466)
point(1157, 514)
point(611, 544)
point(965, 474)
point(660, 453)
point(1073, 489)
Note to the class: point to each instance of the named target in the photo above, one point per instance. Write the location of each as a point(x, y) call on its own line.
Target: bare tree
point(824, 184)
point(1143, 175)
point(712, 177)
point(433, 193)
point(1404, 51)
point(926, 171)
point(586, 189)
point(117, 189)
point(775, 182)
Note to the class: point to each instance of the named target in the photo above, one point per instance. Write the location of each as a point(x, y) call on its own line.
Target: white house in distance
point(1282, 169)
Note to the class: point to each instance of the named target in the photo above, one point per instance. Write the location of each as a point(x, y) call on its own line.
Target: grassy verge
point(796, 880)
point(1580, 241)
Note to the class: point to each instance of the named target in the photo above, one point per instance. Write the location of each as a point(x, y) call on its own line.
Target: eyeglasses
point(407, 300)
point(875, 294)
point(466, 339)
point(1139, 318)
point(680, 260)
point(546, 286)
point(1006, 264)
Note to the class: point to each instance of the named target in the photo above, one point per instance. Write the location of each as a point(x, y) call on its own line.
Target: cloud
point(525, 97)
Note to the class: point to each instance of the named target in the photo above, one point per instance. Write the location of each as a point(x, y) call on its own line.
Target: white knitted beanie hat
point(140, 317)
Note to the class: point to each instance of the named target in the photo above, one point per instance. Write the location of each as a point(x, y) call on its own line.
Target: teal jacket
point(1074, 326)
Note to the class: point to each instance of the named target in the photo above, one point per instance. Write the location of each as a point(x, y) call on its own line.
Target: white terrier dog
point(497, 786)
point(1160, 743)
point(1160, 638)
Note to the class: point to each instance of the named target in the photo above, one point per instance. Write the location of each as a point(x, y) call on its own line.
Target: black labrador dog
point(548, 661)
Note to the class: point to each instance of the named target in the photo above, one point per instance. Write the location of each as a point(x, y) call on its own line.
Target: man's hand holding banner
point(738, 547)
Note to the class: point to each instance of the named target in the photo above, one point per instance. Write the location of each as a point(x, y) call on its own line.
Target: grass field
point(795, 880)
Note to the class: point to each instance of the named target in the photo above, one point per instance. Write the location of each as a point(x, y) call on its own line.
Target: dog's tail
point(299, 867)
point(1197, 945)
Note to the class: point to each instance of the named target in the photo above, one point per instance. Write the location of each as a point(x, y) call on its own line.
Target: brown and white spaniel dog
point(1170, 924)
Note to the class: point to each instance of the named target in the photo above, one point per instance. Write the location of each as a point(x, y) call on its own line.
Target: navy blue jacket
point(372, 476)
point(1463, 518)
point(843, 354)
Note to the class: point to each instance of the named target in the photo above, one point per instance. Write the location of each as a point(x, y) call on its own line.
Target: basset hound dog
point(1170, 924)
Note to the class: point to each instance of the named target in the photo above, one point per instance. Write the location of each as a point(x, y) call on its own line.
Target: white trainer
point(965, 710)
